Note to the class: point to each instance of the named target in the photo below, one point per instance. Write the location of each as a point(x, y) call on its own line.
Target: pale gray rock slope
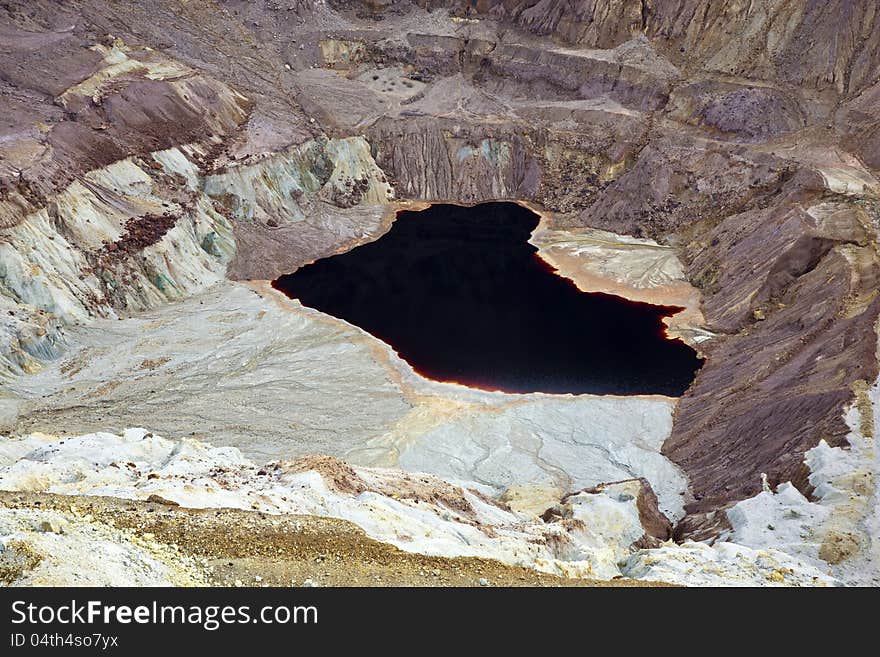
point(600, 532)
point(244, 366)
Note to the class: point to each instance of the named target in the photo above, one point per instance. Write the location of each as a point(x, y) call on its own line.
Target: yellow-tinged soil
point(255, 549)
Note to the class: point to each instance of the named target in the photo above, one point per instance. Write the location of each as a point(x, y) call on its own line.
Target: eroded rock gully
point(153, 151)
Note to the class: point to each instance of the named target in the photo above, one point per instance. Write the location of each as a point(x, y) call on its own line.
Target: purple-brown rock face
point(789, 275)
point(657, 526)
point(798, 333)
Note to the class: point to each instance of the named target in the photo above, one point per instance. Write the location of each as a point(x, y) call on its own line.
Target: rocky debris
point(414, 488)
point(417, 513)
point(697, 564)
point(158, 499)
point(674, 187)
point(52, 526)
point(350, 193)
point(834, 529)
point(17, 559)
point(154, 256)
point(140, 232)
point(86, 553)
point(838, 547)
point(742, 112)
point(843, 54)
point(338, 475)
point(433, 490)
point(658, 528)
point(233, 547)
point(150, 364)
point(631, 75)
point(596, 530)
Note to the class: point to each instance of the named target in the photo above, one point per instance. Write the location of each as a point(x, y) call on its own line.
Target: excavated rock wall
point(816, 44)
point(146, 231)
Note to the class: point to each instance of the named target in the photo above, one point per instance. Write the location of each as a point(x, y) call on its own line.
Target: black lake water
point(461, 295)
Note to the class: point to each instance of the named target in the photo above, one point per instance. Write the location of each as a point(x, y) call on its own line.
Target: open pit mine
point(439, 292)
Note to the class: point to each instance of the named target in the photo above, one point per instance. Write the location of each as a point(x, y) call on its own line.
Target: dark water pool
point(462, 296)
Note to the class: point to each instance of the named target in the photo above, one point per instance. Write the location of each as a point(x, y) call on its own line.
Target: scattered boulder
point(50, 526)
